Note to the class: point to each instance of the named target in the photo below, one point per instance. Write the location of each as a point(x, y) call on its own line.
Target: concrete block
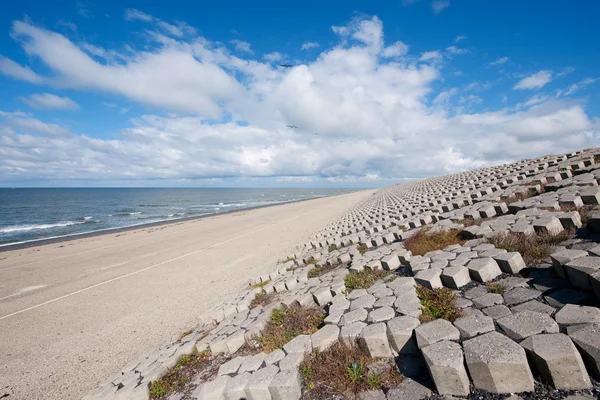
point(572, 314)
point(520, 295)
point(561, 257)
point(236, 387)
point(521, 325)
point(322, 296)
point(445, 362)
point(455, 277)
point(435, 331)
point(257, 387)
point(359, 314)
point(430, 278)
point(274, 357)
point(286, 386)
point(231, 367)
point(557, 361)
point(580, 269)
point(212, 390)
point(400, 334)
point(510, 263)
point(474, 325)
point(253, 363)
point(375, 341)
point(497, 364)
point(483, 269)
point(299, 345)
point(325, 337)
point(488, 300)
point(351, 332)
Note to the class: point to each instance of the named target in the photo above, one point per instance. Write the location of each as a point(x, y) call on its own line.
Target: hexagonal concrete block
point(375, 341)
point(445, 362)
point(579, 271)
point(521, 325)
point(257, 387)
point(299, 345)
point(550, 226)
point(357, 315)
point(325, 337)
point(455, 277)
point(497, 364)
point(430, 278)
point(212, 390)
point(400, 334)
point(286, 386)
point(511, 263)
point(236, 387)
point(557, 361)
point(520, 295)
point(381, 314)
point(474, 325)
point(572, 314)
point(435, 331)
point(350, 333)
point(587, 340)
point(483, 269)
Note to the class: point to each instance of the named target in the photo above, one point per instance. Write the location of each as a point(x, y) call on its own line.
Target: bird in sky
point(315, 133)
point(286, 65)
point(292, 126)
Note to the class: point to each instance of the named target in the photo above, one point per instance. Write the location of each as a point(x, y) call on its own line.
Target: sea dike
point(522, 269)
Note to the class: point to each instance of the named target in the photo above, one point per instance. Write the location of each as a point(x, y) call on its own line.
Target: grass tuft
point(424, 241)
point(343, 370)
point(364, 279)
point(533, 248)
point(287, 323)
point(179, 375)
point(361, 249)
point(287, 259)
point(261, 284)
point(438, 303)
point(497, 288)
point(332, 247)
point(320, 270)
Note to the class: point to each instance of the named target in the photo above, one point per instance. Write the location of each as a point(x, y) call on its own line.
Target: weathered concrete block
point(520, 295)
point(253, 363)
point(291, 361)
point(587, 340)
point(360, 314)
point(274, 357)
point(511, 263)
point(374, 339)
point(551, 226)
point(400, 334)
point(236, 387)
point(351, 332)
point(231, 367)
point(580, 269)
point(474, 325)
point(391, 262)
point(488, 300)
point(435, 331)
point(497, 364)
point(381, 314)
point(535, 306)
point(299, 345)
point(430, 278)
point(365, 301)
point(455, 277)
point(521, 325)
point(561, 257)
point(497, 311)
point(325, 337)
point(572, 314)
point(286, 386)
point(557, 361)
point(408, 390)
point(212, 390)
point(483, 269)
point(445, 362)
point(322, 296)
point(257, 387)
point(235, 341)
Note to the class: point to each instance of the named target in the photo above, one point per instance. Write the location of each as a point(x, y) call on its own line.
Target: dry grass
point(517, 197)
point(287, 259)
point(178, 376)
point(332, 247)
point(364, 279)
point(533, 248)
point(320, 270)
point(470, 222)
point(438, 303)
point(261, 299)
point(343, 370)
point(361, 249)
point(260, 284)
point(584, 213)
point(287, 323)
point(497, 288)
point(424, 241)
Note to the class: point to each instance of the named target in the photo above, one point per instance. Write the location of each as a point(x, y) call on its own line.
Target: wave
point(39, 227)
point(84, 218)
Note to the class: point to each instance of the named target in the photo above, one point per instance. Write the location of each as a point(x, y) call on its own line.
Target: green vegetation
point(438, 303)
point(364, 279)
point(343, 370)
point(261, 284)
point(320, 270)
point(533, 248)
point(287, 323)
point(332, 247)
point(361, 249)
point(497, 288)
point(178, 376)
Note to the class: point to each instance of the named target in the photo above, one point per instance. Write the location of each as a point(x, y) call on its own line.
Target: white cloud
point(273, 57)
point(499, 61)
point(459, 38)
point(456, 51)
point(50, 101)
point(309, 45)
point(535, 81)
point(434, 55)
point(477, 86)
point(10, 68)
point(131, 14)
point(299, 179)
point(440, 5)
point(241, 46)
point(395, 50)
point(580, 85)
point(214, 114)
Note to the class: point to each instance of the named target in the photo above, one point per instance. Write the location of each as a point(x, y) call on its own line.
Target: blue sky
point(177, 94)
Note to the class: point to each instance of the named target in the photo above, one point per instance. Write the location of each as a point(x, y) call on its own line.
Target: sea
point(28, 215)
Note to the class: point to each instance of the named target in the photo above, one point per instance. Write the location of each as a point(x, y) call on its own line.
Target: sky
point(375, 93)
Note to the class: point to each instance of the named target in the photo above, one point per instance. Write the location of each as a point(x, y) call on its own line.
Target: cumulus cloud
point(362, 113)
point(535, 81)
point(241, 46)
point(440, 5)
point(309, 45)
point(50, 101)
point(273, 57)
point(499, 61)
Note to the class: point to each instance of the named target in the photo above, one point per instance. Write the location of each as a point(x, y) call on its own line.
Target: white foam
point(37, 227)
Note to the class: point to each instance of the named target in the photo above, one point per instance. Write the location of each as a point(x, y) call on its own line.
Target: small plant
point(497, 288)
point(374, 381)
point(533, 247)
point(364, 279)
point(261, 284)
point(287, 259)
point(178, 376)
point(320, 270)
point(438, 303)
point(596, 158)
point(354, 372)
point(424, 241)
point(287, 323)
point(361, 249)
point(184, 334)
point(332, 247)
point(312, 261)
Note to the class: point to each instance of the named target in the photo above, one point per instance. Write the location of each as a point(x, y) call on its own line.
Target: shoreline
point(108, 231)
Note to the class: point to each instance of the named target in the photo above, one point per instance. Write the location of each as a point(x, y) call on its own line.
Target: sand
point(73, 313)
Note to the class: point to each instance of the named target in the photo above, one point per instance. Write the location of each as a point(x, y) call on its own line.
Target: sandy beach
point(72, 313)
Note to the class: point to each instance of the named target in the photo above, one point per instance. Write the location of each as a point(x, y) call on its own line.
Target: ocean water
point(34, 214)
